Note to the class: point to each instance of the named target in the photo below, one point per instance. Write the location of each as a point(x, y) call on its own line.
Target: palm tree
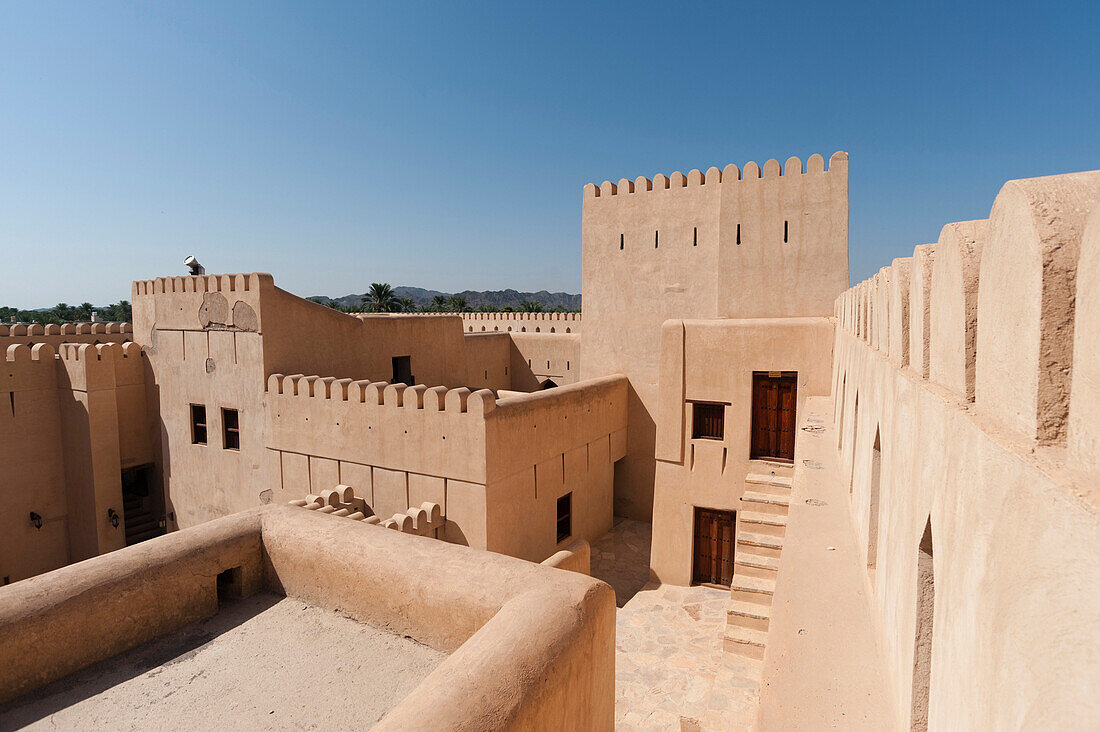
point(456, 304)
point(406, 305)
point(380, 298)
point(85, 310)
point(530, 306)
point(440, 304)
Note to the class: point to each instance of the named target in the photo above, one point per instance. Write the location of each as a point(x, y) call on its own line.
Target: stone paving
point(670, 669)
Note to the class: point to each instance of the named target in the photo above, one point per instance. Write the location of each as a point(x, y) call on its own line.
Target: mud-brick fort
point(735, 494)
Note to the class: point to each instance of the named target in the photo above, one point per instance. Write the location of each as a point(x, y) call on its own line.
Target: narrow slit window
point(231, 429)
point(786, 229)
point(739, 235)
point(565, 517)
point(198, 424)
point(656, 238)
point(708, 421)
point(621, 241)
point(695, 237)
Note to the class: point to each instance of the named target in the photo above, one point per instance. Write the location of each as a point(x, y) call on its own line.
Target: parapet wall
point(55, 334)
point(989, 314)
point(521, 322)
point(981, 438)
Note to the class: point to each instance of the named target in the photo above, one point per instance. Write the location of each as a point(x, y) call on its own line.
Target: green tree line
point(119, 312)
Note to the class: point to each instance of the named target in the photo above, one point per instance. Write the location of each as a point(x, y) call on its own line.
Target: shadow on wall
point(634, 474)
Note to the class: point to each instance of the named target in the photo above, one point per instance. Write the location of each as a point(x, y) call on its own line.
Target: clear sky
point(446, 145)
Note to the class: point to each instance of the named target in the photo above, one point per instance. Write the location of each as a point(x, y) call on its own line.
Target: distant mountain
point(475, 300)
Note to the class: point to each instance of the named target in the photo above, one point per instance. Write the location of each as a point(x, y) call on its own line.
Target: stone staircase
point(761, 527)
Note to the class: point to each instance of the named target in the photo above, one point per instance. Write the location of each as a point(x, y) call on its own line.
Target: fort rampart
point(967, 412)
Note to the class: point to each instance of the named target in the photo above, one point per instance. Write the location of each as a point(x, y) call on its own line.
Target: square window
point(708, 421)
point(231, 429)
point(198, 424)
point(565, 517)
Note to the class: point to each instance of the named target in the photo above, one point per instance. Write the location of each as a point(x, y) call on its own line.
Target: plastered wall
point(711, 473)
point(733, 243)
point(1013, 512)
point(69, 423)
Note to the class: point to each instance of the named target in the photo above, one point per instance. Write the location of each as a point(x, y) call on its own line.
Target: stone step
point(752, 589)
point(771, 467)
point(762, 523)
point(745, 642)
point(765, 503)
point(756, 565)
point(751, 543)
point(771, 484)
point(748, 615)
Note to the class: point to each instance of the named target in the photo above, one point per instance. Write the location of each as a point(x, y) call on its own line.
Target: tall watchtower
point(733, 243)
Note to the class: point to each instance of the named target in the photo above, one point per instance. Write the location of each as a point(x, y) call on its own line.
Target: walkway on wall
point(822, 667)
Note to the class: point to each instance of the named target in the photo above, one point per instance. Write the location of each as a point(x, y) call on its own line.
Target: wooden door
point(774, 395)
point(714, 542)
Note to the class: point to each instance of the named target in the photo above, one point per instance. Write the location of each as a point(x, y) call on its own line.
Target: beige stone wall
point(668, 249)
point(521, 322)
point(711, 473)
point(1012, 512)
point(536, 358)
point(69, 423)
point(528, 647)
point(55, 335)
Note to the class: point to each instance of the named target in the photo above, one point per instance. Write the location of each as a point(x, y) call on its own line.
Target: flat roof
point(263, 662)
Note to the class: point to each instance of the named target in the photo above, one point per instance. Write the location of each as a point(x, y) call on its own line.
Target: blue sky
point(445, 145)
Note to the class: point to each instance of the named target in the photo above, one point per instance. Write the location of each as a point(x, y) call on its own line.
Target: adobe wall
point(709, 473)
point(32, 468)
point(543, 445)
point(531, 648)
point(536, 358)
point(476, 457)
point(488, 360)
point(214, 340)
point(520, 322)
point(69, 423)
point(55, 335)
point(702, 246)
point(1013, 514)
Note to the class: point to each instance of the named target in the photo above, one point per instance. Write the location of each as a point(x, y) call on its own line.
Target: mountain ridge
point(475, 299)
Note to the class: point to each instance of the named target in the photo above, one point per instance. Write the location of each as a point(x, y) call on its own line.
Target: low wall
point(530, 648)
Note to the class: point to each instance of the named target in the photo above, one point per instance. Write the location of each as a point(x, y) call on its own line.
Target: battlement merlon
point(815, 165)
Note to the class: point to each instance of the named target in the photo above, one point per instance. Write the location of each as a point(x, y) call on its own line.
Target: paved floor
point(670, 669)
point(262, 663)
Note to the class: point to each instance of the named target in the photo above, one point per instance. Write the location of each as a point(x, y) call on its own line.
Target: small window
point(565, 517)
point(656, 238)
point(708, 421)
point(786, 225)
point(695, 237)
point(231, 429)
point(739, 235)
point(621, 240)
point(198, 424)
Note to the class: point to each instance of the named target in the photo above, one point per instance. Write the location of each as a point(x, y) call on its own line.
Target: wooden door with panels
point(774, 396)
point(713, 548)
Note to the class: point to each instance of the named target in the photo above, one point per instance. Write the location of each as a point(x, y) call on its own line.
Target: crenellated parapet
point(815, 165)
point(204, 302)
point(250, 282)
point(990, 309)
point(427, 430)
